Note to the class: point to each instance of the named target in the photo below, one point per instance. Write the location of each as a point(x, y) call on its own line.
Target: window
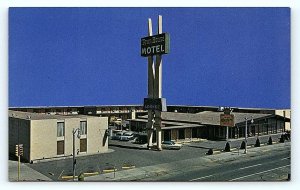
point(60, 147)
point(60, 129)
point(83, 127)
point(83, 145)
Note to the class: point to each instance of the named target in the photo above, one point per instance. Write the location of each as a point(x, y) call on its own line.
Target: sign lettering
point(155, 45)
point(158, 104)
point(227, 120)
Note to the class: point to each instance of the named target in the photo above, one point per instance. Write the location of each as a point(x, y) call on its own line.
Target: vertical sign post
point(150, 89)
point(19, 153)
point(227, 120)
point(155, 104)
point(158, 89)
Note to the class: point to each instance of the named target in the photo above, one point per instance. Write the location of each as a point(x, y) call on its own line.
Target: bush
point(270, 141)
point(81, 177)
point(281, 140)
point(243, 144)
point(227, 147)
point(257, 143)
point(210, 151)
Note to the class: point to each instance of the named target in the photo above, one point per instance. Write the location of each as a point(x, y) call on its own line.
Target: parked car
point(171, 145)
point(140, 139)
point(126, 136)
point(117, 136)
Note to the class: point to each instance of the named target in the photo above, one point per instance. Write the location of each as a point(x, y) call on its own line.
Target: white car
point(171, 145)
point(126, 136)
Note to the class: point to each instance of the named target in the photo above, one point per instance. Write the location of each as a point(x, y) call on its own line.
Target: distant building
point(206, 124)
point(46, 136)
point(182, 121)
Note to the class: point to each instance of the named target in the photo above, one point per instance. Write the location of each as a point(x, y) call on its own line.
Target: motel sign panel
point(155, 45)
point(155, 104)
point(227, 120)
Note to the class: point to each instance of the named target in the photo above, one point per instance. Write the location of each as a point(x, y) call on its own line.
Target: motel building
point(206, 125)
point(46, 136)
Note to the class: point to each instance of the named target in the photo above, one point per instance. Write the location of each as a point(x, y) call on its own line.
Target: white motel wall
point(50, 136)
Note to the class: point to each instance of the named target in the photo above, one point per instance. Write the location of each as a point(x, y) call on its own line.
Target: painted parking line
point(259, 173)
point(201, 178)
point(250, 166)
point(285, 158)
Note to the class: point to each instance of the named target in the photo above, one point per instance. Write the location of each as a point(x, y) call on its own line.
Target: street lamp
point(74, 160)
point(246, 132)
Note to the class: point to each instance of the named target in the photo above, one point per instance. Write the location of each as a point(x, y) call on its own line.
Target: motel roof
point(207, 117)
point(39, 116)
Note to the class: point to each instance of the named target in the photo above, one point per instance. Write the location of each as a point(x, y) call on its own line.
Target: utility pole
point(74, 159)
point(246, 133)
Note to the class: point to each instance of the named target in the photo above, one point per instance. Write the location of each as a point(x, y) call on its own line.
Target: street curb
point(109, 170)
point(128, 167)
point(67, 177)
point(91, 173)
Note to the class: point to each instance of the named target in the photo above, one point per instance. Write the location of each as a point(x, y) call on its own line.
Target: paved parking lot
point(117, 158)
point(126, 152)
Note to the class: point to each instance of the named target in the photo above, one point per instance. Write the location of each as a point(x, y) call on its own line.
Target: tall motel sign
point(155, 45)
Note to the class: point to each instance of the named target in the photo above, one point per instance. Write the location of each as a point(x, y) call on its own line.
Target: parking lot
point(127, 153)
point(138, 157)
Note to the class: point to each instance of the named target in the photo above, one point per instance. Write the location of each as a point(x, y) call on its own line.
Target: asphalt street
point(273, 166)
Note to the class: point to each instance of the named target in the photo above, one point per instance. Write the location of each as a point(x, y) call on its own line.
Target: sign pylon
point(155, 104)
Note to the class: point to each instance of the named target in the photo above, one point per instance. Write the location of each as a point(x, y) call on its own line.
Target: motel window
point(60, 129)
point(83, 145)
point(60, 147)
point(83, 127)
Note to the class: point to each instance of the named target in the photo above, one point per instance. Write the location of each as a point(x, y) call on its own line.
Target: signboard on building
point(158, 104)
point(227, 120)
point(155, 45)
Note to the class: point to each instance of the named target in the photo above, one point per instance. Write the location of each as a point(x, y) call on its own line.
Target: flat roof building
point(206, 125)
point(46, 136)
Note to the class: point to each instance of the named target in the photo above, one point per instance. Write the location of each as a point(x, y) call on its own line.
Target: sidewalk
point(148, 172)
point(26, 174)
point(234, 143)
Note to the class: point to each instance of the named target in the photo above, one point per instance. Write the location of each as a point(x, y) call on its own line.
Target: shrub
point(243, 144)
point(210, 151)
point(257, 143)
point(281, 140)
point(227, 147)
point(81, 177)
point(270, 141)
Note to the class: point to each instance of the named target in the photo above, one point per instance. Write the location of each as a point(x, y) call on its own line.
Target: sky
point(238, 57)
